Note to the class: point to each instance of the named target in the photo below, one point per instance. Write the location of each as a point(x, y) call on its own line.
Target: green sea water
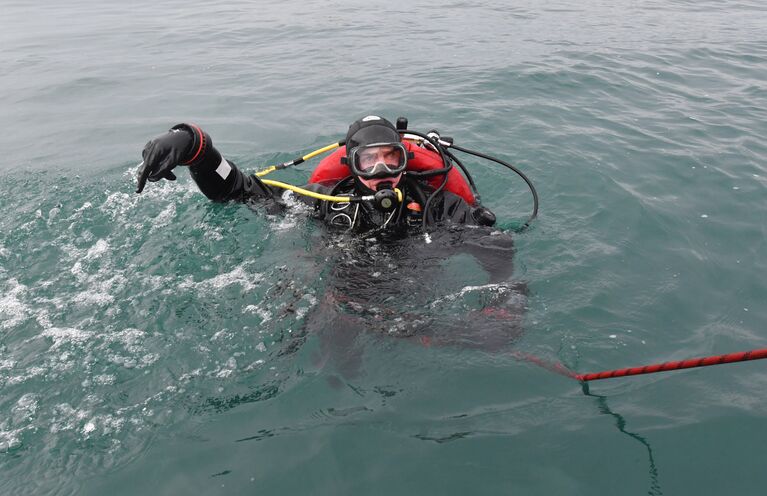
point(143, 337)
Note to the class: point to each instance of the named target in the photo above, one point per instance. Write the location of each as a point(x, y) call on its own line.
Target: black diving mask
point(378, 160)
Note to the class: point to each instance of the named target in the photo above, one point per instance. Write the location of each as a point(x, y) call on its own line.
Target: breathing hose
point(508, 165)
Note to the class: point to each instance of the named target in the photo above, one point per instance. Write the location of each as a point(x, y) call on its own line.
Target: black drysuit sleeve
point(221, 180)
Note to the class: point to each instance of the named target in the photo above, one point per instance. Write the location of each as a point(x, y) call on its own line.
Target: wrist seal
point(200, 143)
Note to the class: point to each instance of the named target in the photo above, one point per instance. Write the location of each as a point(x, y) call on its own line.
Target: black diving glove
point(483, 216)
point(164, 153)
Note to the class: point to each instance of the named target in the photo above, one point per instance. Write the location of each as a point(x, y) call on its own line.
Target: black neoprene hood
point(369, 130)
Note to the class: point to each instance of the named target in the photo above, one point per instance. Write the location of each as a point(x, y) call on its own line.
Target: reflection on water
point(620, 423)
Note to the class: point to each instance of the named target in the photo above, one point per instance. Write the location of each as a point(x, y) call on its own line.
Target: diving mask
point(378, 160)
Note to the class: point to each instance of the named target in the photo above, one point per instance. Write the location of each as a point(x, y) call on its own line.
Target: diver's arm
point(448, 207)
point(503, 311)
point(186, 144)
point(453, 208)
point(498, 321)
point(221, 180)
point(493, 250)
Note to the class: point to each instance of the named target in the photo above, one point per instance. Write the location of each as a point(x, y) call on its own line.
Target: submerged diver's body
point(366, 274)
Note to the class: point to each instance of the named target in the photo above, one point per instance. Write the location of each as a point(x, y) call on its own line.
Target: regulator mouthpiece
point(386, 198)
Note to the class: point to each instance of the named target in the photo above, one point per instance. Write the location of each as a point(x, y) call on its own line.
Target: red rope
point(555, 367)
point(680, 364)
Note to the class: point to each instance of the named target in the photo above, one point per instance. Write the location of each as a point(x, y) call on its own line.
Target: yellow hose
point(320, 196)
point(309, 193)
point(305, 192)
point(266, 171)
point(321, 150)
point(298, 160)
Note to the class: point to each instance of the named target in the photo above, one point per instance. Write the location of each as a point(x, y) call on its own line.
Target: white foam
point(25, 409)
point(66, 418)
point(123, 361)
point(130, 337)
point(254, 365)
point(110, 423)
point(53, 213)
point(220, 335)
point(88, 297)
point(7, 364)
point(223, 373)
point(97, 250)
point(99, 287)
point(67, 335)
point(265, 315)
point(211, 232)
point(302, 311)
point(12, 309)
point(148, 359)
point(43, 318)
point(165, 217)
point(104, 379)
point(31, 372)
point(189, 375)
point(237, 276)
point(282, 223)
point(85, 206)
point(500, 288)
point(9, 439)
point(296, 210)
point(118, 204)
point(78, 272)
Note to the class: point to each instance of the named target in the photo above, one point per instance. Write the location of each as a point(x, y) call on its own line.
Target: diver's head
point(375, 154)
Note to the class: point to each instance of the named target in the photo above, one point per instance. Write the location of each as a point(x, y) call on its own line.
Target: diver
point(376, 165)
point(372, 188)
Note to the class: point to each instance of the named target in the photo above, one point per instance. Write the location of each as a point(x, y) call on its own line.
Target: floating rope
point(742, 356)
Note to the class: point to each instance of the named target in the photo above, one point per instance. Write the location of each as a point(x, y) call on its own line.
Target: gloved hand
point(483, 216)
point(162, 154)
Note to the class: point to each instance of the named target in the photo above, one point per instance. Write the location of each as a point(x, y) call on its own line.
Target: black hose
point(519, 173)
point(440, 149)
point(428, 201)
point(474, 190)
point(445, 161)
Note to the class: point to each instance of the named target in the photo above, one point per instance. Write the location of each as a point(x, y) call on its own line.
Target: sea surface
point(162, 344)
